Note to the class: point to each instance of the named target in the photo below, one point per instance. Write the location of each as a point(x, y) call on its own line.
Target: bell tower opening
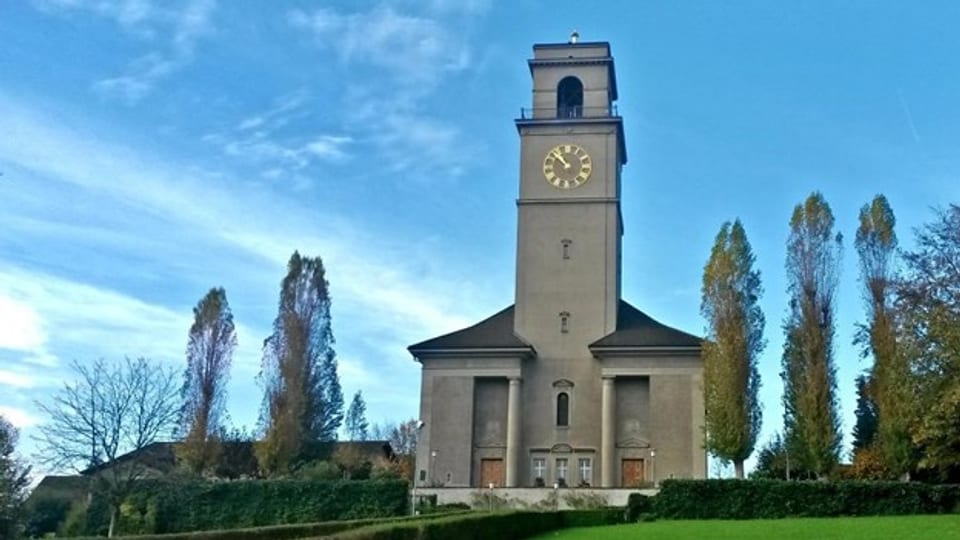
point(570, 98)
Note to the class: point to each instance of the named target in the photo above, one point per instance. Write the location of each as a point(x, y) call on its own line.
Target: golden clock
point(567, 166)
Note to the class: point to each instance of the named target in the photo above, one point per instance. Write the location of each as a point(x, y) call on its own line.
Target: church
point(571, 386)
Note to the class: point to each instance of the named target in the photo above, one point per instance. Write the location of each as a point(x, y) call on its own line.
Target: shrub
point(638, 504)
point(502, 526)
point(765, 499)
point(592, 518)
point(589, 500)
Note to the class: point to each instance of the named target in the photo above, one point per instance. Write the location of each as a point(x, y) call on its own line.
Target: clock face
point(567, 166)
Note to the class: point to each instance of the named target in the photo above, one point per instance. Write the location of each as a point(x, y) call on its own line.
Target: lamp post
point(653, 466)
point(413, 489)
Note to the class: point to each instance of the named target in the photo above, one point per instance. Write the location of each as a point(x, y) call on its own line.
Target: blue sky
point(153, 149)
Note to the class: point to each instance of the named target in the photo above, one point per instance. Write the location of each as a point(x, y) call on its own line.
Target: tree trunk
point(114, 518)
point(738, 469)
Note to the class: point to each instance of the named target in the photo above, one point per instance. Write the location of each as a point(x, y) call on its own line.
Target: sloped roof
point(637, 329)
point(494, 332)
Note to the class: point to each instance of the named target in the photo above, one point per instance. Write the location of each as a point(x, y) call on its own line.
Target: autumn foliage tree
point(735, 322)
point(210, 347)
point(303, 401)
point(928, 306)
point(811, 418)
point(890, 378)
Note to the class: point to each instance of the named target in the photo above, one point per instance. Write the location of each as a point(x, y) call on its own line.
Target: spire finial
point(574, 37)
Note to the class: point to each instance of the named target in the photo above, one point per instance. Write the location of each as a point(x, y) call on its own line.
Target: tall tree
point(108, 411)
point(928, 306)
point(14, 481)
point(210, 347)
point(731, 292)
point(890, 378)
point(356, 419)
point(811, 419)
point(864, 431)
point(303, 401)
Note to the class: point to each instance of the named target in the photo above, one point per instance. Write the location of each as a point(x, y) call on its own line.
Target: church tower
point(569, 224)
point(571, 385)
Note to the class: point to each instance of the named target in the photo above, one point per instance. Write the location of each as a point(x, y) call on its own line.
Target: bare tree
point(209, 355)
point(95, 423)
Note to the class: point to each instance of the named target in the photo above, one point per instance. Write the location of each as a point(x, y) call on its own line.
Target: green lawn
point(944, 527)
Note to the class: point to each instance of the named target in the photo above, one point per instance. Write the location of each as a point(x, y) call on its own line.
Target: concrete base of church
point(527, 497)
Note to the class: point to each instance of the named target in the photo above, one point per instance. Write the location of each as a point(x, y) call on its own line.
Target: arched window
point(563, 409)
point(570, 98)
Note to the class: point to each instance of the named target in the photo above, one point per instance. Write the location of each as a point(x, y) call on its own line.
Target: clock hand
point(559, 157)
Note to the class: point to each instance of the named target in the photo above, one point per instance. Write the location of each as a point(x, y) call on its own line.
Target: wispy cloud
point(414, 52)
point(382, 294)
point(909, 117)
point(171, 29)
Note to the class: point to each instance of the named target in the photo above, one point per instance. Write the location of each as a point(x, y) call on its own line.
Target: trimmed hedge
point(502, 526)
point(766, 499)
point(177, 506)
point(279, 532)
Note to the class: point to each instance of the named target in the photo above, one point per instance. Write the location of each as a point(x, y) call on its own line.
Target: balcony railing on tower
point(567, 112)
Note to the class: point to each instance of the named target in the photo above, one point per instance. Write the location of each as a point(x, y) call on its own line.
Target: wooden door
point(632, 473)
point(491, 472)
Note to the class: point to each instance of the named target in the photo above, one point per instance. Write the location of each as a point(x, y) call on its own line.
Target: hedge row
point(502, 526)
point(163, 506)
point(767, 499)
point(280, 532)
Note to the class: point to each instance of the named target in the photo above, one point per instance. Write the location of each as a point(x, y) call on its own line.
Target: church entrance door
point(632, 473)
point(491, 472)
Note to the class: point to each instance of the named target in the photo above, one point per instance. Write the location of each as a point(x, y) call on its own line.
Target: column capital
point(608, 378)
point(515, 379)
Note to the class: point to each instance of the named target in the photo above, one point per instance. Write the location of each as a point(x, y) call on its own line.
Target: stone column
point(607, 429)
point(513, 432)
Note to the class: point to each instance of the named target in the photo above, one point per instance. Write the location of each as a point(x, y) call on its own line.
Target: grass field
point(945, 527)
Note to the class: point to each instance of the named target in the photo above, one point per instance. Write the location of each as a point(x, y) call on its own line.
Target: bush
point(170, 506)
point(766, 499)
point(591, 518)
point(638, 504)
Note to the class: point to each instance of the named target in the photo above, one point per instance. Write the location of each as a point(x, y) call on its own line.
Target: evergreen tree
point(731, 292)
point(303, 402)
point(210, 347)
point(356, 419)
point(811, 419)
point(890, 378)
point(865, 429)
point(14, 481)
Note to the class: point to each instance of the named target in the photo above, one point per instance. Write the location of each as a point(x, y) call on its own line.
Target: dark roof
point(162, 457)
point(61, 487)
point(637, 329)
point(495, 332)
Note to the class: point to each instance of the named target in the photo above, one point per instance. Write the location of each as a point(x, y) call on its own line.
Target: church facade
point(571, 385)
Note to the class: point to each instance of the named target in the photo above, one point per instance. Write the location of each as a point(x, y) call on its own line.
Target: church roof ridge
point(636, 329)
point(494, 332)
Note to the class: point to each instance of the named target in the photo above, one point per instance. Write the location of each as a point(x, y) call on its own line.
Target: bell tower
point(569, 224)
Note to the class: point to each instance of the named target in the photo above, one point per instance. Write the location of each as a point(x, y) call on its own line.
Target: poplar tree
point(356, 419)
point(890, 377)
point(811, 418)
point(303, 402)
point(212, 340)
point(735, 322)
